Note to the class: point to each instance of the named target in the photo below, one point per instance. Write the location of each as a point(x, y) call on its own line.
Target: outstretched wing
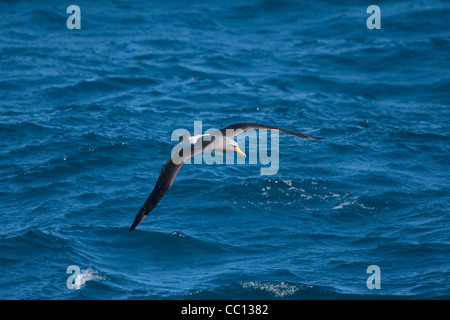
point(165, 180)
point(242, 126)
point(163, 184)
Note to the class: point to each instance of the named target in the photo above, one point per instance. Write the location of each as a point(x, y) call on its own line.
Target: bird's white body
point(220, 145)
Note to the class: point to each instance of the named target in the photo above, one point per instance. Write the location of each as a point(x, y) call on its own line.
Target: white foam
point(279, 289)
point(88, 274)
point(354, 202)
point(288, 182)
point(176, 233)
point(342, 205)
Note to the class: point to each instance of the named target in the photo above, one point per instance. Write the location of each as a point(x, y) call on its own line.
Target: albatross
point(225, 144)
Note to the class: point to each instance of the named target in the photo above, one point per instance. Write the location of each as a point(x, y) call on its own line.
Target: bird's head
point(232, 146)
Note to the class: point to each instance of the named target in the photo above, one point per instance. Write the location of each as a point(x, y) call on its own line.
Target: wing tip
point(133, 226)
point(137, 221)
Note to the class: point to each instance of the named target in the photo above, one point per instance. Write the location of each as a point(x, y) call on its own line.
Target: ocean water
point(86, 118)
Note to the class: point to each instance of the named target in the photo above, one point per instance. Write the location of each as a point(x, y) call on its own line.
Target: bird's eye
point(213, 138)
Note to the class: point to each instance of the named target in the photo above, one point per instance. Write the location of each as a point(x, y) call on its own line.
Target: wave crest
point(88, 274)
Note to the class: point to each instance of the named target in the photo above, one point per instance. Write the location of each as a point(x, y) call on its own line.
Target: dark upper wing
point(163, 184)
point(237, 127)
point(165, 180)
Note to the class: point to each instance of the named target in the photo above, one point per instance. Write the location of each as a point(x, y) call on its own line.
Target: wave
point(279, 290)
point(86, 275)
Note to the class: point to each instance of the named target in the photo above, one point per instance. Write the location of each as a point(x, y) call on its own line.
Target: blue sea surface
point(86, 118)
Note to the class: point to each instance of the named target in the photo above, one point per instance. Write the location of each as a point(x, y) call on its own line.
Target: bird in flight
point(220, 141)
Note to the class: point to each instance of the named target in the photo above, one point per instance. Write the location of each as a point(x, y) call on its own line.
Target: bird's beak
point(240, 151)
